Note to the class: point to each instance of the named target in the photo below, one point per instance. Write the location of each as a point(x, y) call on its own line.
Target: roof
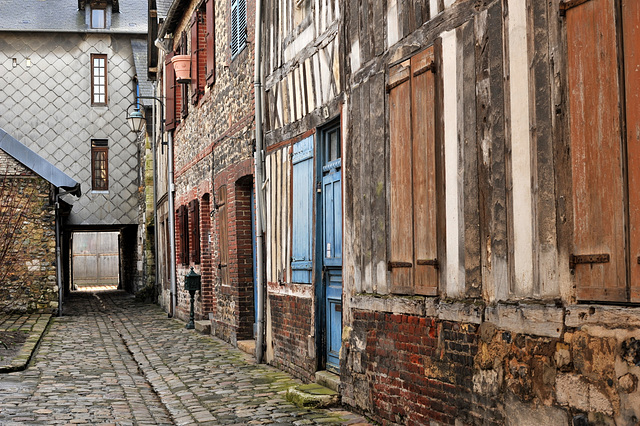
point(37, 164)
point(163, 8)
point(139, 47)
point(64, 16)
point(172, 17)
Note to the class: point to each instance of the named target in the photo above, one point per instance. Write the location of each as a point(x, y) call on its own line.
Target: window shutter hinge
point(392, 265)
point(587, 258)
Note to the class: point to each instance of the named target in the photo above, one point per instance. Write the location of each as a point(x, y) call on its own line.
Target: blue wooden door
point(330, 242)
point(332, 260)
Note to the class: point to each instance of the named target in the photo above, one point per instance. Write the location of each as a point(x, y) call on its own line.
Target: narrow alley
point(112, 360)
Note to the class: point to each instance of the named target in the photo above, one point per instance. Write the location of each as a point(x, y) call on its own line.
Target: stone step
point(203, 326)
point(247, 346)
point(312, 395)
point(329, 380)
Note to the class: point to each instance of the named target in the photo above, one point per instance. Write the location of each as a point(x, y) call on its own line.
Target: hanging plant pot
point(182, 67)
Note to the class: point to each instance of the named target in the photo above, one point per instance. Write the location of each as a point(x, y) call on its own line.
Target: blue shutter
point(301, 250)
point(238, 26)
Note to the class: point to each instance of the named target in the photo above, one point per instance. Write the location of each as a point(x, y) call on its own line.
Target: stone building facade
point(68, 75)
point(209, 121)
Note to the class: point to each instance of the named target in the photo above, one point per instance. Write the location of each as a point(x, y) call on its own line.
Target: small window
point(238, 26)
point(98, 18)
point(99, 165)
point(98, 79)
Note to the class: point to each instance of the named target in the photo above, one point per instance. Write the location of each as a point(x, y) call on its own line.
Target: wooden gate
point(96, 259)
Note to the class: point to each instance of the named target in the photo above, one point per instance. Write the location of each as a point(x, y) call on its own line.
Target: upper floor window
point(98, 79)
point(98, 18)
point(99, 165)
point(238, 26)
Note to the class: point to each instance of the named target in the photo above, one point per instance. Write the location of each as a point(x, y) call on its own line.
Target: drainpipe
point(59, 252)
point(258, 159)
point(172, 236)
point(155, 191)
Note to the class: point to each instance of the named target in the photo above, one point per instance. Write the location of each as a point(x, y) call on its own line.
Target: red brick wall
point(413, 369)
point(291, 320)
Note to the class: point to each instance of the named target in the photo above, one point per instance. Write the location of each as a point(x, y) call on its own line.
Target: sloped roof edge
point(37, 164)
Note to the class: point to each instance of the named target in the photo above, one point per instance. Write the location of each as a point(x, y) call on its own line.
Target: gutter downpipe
point(258, 159)
point(155, 191)
point(172, 235)
point(59, 252)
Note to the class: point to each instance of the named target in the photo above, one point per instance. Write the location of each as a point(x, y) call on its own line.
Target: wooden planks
point(596, 154)
point(631, 36)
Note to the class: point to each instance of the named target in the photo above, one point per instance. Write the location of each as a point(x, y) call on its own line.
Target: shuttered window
point(238, 26)
point(210, 41)
point(413, 231)
point(223, 266)
point(184, 93)
point(182, 222)
point(604, 85)
point(302, 212)
point(194, 231)
point(170, 87)
point(198, 56)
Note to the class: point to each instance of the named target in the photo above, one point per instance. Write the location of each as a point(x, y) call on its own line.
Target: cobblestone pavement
point(113, 361)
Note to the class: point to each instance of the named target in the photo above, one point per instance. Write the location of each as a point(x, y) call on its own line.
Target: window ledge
point(95, 191)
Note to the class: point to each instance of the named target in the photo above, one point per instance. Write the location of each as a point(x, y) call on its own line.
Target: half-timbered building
point(303, 93)
point(490, 240)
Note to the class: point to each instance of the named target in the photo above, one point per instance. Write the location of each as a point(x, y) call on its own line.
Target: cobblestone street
point(111, 360)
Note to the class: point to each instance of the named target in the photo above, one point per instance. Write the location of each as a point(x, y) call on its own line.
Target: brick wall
point(412, 370)
point(291, 320)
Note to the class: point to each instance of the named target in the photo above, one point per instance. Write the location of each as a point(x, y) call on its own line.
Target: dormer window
point(98, 18)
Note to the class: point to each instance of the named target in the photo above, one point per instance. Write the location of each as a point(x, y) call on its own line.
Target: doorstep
point(328, 379)
point(247, 346)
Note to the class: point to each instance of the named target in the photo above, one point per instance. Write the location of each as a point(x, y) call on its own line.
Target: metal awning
point(37, 164)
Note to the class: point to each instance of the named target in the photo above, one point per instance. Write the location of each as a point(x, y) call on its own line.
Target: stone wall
point(27, 231)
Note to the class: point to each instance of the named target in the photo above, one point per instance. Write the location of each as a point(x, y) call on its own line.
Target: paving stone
point(111, 360)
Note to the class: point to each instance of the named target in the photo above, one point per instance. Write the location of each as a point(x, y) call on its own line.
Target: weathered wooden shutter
point(183, 234)
point(224, 234)
point(413, 222)
point(302, 211)
point(631, 36)
point(424, 173)
point(194, 228)
point(195, 58)
point(596, 152)
point(170, 85)
point(401, 180)
point(184, 94)
point(210, 38)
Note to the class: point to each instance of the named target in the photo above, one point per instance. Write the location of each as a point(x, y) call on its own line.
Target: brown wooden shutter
point(194, 230)
point(170, 84)
point(183, 234)
point(224, 234)
point(631, 36)
point(596, 151)
point(401, 209)
point(210, 19)
point(184, 93)
point(424, 173)
point(195, 54)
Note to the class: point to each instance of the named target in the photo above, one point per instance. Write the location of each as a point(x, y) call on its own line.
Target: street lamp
point(136, 122)
point(136, 119)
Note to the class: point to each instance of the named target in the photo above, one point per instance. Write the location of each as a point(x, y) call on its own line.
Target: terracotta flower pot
point(182, 67)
